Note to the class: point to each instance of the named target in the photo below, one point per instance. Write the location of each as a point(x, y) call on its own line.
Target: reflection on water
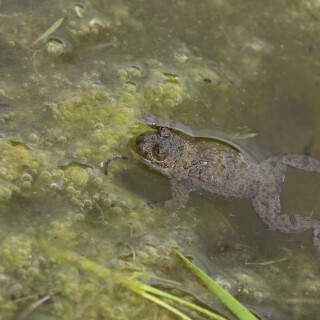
point(78, 95)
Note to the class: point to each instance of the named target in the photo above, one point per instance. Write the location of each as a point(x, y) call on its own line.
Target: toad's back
point(220, 171)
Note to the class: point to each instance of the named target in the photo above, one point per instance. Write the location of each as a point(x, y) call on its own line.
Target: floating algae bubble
point(56, 46)
point(5, 193)
point(45, 176)
point(79, 178)
point(33, 138)
point(79, 10)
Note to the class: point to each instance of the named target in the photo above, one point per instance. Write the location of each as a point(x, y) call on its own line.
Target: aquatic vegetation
point(148, 292)
point(74, 98)
point(52, 29)
point(244, 132)
point(236, 307)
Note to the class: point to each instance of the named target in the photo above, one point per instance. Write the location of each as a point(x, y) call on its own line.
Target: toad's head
point(162, 149)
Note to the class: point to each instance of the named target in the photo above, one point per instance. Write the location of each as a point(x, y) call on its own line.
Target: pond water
point(77, 97)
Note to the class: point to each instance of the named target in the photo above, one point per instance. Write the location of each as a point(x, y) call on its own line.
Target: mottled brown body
point(215, 169)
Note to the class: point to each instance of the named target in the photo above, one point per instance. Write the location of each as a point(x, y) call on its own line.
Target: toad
point(219, 170)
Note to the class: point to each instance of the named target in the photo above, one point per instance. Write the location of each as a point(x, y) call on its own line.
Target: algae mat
point(77, 79)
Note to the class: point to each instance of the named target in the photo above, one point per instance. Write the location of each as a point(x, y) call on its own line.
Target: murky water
point(75, 99)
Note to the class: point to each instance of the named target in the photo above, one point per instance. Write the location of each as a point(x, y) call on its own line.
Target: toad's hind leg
point(298, 161)
point(267, 207)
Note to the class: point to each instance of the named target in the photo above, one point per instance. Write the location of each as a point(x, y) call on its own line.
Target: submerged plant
point(49, 31)
point(244, 132)
point(155, 295)
point(233, 305)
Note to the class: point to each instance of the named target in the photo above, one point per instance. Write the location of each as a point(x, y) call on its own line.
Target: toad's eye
point(159, 152)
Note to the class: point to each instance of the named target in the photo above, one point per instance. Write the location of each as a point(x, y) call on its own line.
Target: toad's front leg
point(180, 194)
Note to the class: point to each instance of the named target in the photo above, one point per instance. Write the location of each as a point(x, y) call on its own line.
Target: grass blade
point(32, 307)
point(266, 263)
point(158, 301)
point(233, 305)
point(136, 286)
point(183, 302)
point(52, 29)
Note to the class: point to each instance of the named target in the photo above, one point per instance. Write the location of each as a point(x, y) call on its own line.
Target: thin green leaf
point(243, 128)
point(32, 307)
point(138, 286)
point(235, 136)
point(245, 135)
point(52, 29)
point(181, 301)
point(165, 305)
point(266, 263)
point(135, 286)
point(133, 252)
point(234, 306)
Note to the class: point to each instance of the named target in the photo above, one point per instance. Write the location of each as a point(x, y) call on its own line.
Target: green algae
point(69, 112)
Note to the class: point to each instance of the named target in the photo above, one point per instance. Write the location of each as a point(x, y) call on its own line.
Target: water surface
point(75, 99)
